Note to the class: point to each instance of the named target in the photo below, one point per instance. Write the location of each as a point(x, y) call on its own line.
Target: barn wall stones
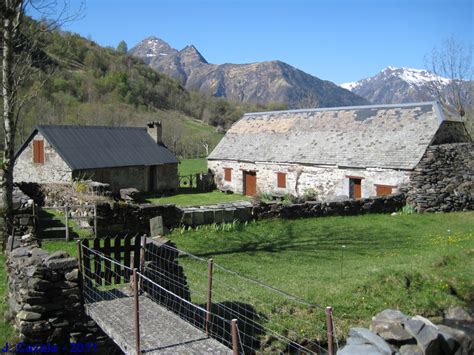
point(327, 182)
point(53, 170)
point(444, 179)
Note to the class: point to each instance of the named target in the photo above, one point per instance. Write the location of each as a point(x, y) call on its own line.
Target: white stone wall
point(53, 170)
point(328, 182)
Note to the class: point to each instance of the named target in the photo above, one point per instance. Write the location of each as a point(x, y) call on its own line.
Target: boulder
point(457, 341)
point(129, 194)
point(410, 349)
point(458, 314)
point(426, 335)
point(363, 341)
point(64, 264)
point(388, 325)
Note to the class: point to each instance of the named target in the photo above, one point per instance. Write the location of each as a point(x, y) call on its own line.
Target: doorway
point(250, 183)
point(355, 188)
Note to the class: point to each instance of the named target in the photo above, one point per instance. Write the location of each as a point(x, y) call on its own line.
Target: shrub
point(408, 209)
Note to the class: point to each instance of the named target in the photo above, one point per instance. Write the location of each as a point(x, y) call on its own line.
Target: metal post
point(66, 221)
point(329, 330)
point(235, 338)
point(137, 311)
point(95, 221)
point(210, 267)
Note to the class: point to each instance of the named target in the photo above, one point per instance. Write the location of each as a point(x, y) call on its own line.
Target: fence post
point(95, 220)
point(235, 338)
point(66, 221)
point(79, 263)
point(330, 330)
point(210, 267)
point(137, 311)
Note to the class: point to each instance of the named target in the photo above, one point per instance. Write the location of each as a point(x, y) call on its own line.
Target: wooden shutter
point(228, 174)
point(382, 190)
point(281, 180)
point(38, 152)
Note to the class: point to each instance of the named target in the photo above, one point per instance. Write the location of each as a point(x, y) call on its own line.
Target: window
point(382, 190)
point(38, 152)
point(281, 180)
point(355, 187)
point(228, 174)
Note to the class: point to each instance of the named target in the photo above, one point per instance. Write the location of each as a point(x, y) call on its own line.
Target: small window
point(38, 152)
point(382, 190)
point(281, 180)
point(228, 174)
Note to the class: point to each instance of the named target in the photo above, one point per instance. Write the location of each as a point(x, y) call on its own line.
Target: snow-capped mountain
point(398, 85)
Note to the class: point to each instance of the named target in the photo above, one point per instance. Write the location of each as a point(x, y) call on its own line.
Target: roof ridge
point(323, 109)
point(86, 126)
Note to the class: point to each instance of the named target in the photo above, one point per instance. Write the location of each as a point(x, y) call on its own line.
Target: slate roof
point(92, 147)
point(385, 136)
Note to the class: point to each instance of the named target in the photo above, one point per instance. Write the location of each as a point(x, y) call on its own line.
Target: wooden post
point(137, 312)
point(142, 253)
point(330, 330)
point(235, 339)
point(95, 221)
point(66, 221)
point(210, 267)
point(79, 255)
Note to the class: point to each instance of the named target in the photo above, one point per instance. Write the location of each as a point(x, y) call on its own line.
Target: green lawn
point(421, 264)
point(195, 198)
point(192, 166)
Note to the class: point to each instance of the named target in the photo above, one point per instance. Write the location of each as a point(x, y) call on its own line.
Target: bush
point(408, 209)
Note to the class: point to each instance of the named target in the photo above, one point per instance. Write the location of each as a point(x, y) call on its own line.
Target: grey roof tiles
point(387, 136)
point(91, 147)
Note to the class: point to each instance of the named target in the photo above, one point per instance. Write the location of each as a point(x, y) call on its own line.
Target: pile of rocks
point(393, 332)
point(45, 298)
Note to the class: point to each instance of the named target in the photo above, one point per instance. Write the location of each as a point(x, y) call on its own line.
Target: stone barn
point(354, 152)
point(120, 156)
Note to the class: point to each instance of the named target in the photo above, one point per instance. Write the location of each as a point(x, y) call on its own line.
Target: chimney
point(154, 130)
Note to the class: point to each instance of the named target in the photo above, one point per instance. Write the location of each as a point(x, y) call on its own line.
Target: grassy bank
point(421, 264)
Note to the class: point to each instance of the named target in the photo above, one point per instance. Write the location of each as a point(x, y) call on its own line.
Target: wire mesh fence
point(206, 295)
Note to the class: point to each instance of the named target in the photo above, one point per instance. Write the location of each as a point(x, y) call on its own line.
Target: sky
point(336, 40)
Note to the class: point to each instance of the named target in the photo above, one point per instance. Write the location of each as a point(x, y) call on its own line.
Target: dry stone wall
point(46, 302)
point(444, 179)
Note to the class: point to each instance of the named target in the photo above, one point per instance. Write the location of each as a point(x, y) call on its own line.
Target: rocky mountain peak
point(152, 47)
point(190, 54)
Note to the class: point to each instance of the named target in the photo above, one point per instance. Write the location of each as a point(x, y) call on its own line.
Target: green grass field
point(192, 166)
point(421, 264)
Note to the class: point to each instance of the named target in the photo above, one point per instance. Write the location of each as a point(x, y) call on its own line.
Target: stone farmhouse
point(355, 152)
point(120, 156)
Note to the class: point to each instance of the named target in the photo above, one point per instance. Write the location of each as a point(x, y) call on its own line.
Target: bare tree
point(19, 45)
point(452, 61)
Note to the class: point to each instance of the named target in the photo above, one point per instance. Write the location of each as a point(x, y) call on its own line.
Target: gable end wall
point(53, 170)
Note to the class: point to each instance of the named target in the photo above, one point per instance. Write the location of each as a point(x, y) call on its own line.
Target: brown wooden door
point(355, 190)
point(250, 183)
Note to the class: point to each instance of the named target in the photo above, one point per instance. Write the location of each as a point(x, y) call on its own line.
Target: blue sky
point(337, 40)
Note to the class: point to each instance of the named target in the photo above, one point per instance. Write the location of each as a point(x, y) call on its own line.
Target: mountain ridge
point(260, 82)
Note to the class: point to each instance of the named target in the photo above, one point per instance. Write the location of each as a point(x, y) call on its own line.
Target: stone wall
point(327, 182)
point(165, 177)
point(54, 169)
point(45, 298)
point(383, 204)
point(124, 218)
point(444, 179)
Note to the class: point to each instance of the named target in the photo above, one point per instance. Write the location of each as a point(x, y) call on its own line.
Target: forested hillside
point(84, 83)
